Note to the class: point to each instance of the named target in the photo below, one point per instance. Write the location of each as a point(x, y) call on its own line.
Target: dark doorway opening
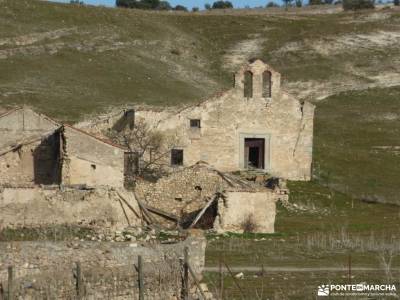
point(47, 160)
point(254, 153)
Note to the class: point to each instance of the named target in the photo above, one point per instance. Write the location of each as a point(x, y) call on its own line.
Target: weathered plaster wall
point(240, 207)
point(90, 161)
point(39, 207)
point(283, 121)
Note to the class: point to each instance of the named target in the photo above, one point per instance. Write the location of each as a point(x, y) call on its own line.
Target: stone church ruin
point(254, 125)
point(58, 173)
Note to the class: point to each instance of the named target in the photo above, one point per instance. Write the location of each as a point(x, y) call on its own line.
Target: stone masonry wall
point(183, 191)
point(33, 163)
point(32, 207)
point(45, 270)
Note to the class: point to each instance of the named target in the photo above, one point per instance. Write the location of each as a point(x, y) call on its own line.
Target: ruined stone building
point(253, 125)
point(56, 174)
point(218, 200)
point(37, 150)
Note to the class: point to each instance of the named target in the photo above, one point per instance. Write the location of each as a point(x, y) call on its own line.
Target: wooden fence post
point(140, 275)
point(235, 280)
point(349, 268)
point(221, 280)
point(185, 281)
point(10, 283)
point(79, 281)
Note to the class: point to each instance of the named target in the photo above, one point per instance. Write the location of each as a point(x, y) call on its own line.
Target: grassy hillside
point(69, 60)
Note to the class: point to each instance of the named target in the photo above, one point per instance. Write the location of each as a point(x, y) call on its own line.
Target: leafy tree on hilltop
point(287, 3)
point(180, 8)
point(272, 4)
point(222, 4)
point(358, 4)
point(144, 4)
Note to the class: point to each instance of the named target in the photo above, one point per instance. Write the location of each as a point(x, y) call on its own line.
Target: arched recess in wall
point(267, 84)
point(248, 84)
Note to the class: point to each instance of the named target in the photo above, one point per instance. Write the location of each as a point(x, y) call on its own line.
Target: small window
point(93, 167)
point(176, 157)
point(195, 123)
point(248, 84)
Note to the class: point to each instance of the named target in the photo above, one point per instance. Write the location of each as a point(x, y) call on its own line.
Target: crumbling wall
point(182, 191)
point(87, 160)
point(33, 207)
point(241, 209)
point(186, 192)
point(17, 166)
point(32, 163)
point(45, 270)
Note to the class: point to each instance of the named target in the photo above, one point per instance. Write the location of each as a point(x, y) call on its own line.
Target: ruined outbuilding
point(203, 197)
point(36, 150)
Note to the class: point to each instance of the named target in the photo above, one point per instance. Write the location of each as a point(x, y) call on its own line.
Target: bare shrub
point(249, 225)
point(150, 148)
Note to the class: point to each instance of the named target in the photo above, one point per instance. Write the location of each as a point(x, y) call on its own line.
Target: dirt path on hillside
point(242, 52)
point(292, 269)
point(317, 91)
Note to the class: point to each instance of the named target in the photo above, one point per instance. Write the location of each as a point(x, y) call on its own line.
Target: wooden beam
point(201, 213)
point(161, 213)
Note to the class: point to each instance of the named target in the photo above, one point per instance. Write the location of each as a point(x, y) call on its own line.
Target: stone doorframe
point(267, 146)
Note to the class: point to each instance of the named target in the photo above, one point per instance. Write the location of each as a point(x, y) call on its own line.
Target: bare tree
point(149, 149)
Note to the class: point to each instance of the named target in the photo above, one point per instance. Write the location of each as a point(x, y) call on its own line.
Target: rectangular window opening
point(176, 157)
point(195, 123)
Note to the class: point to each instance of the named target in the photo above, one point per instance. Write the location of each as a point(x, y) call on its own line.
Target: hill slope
point(69, 60)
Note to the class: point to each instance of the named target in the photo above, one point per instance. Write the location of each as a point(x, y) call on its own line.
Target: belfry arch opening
point(248, 84)
point(266, 84)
